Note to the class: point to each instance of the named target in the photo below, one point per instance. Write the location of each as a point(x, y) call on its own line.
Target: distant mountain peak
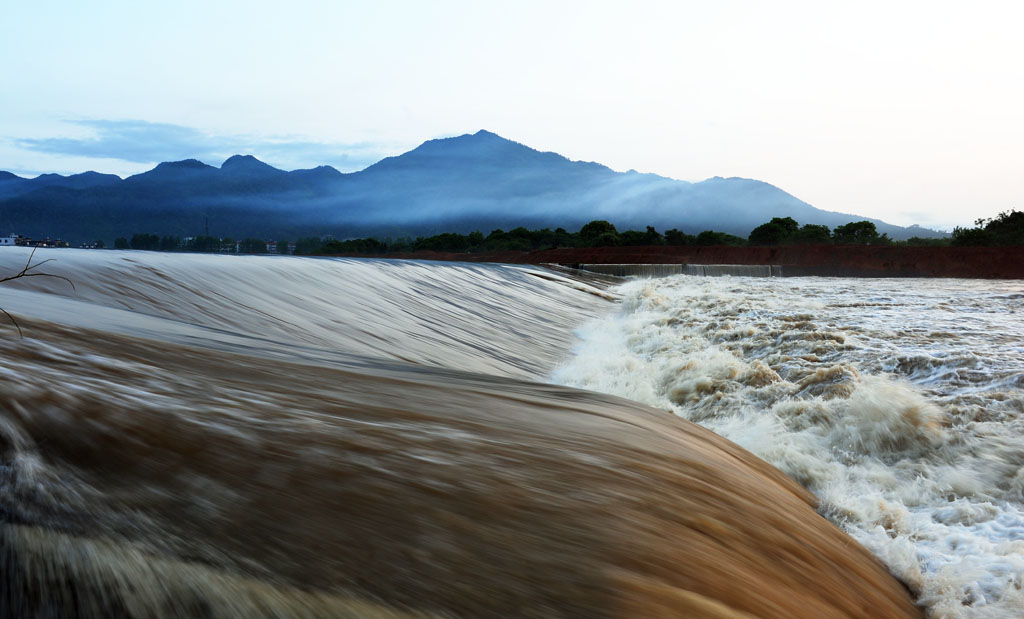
point(321, 171)
point(8, 176)
point(184, 164)
point(483, 143)
point(482, 136)
point(92, 175)
point(173, 170)
point(484, 133)
point(245, 162)
point(472, 181)
point(483, 152)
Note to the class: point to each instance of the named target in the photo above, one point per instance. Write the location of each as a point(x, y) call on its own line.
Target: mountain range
point(478, 181)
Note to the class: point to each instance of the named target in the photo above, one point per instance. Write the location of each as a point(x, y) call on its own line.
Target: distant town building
point(47, 242)
point(16, 240)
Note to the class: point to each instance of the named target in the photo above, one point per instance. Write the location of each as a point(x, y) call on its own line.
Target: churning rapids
point(225, 436)
point(898, 403)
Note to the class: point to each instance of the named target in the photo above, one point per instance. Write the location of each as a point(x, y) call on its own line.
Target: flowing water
point(228, 436)
point(898, 403)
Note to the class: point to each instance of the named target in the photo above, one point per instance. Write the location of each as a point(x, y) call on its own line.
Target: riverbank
point(797, 260)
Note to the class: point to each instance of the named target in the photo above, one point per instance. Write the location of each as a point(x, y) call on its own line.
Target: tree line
point(597, 233)
point(601, 233)
point(1005, 229)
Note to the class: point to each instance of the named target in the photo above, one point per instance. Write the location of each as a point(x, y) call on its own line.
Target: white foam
point(899, 403)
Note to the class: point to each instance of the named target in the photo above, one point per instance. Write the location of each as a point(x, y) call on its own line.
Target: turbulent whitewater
point(232, 436)
point(898, 403)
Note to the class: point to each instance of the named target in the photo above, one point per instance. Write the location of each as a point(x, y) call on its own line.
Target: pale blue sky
point(906, 111)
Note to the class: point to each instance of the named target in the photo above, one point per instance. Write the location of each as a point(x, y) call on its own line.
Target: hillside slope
point(477, 181)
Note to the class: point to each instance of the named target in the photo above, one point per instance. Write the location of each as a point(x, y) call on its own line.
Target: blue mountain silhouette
point(478, 181)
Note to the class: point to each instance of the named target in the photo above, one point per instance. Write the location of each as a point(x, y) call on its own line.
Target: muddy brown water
point(178, 441)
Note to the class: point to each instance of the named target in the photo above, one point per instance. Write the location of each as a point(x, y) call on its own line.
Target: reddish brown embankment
point(820, 260)
point(153, 480)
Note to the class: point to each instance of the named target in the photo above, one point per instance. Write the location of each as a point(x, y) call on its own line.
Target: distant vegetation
point(601, 233)
point(1006, 229)
point(597, 233)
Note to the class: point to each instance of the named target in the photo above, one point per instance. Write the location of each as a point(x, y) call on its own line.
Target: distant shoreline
point(797, 260)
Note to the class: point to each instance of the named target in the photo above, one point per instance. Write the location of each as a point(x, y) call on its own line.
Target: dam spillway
point(371, 439)
point(664, 270)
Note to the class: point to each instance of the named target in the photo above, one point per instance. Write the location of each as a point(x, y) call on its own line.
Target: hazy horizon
point(906, 113)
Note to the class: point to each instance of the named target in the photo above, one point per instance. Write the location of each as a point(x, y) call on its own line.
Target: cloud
point(138, 141)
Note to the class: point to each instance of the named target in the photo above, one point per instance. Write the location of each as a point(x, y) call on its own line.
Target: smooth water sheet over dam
point(229, 436)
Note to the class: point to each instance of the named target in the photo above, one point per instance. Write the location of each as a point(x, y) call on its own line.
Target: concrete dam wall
point(664, 270)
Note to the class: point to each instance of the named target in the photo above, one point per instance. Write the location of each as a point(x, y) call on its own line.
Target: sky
point(910, 112)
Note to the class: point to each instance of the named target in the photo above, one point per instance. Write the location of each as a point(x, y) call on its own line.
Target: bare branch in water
point(24, 272)
point(29, 266)
point(13, 321)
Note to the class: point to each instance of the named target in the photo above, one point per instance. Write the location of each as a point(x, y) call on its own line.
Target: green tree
point(712, 237)
point(636, 237)
point(353, 246)
point(978, 236)
point(202, 243)
point(121, 243)
point(519, 239)
point(252, 246)
point(545, 238)
point(169, 243)
point(917, 241)
point(632, 237)
point(495, 241)
point(307, 246)
point(282, 247)
point(856, 232)
point(149, 242)
point(446, 241)
point(811, 234)
point(593, 231)
point(99, 244)
point(679, 238)
point(564, 238)
point(776, 232)
point(1007, 228)
point(768, 234)
point(401, 244)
